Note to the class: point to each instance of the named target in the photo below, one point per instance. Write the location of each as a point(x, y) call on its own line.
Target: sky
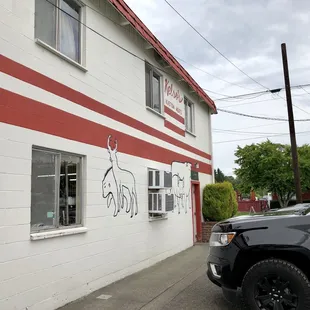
point(248, 33)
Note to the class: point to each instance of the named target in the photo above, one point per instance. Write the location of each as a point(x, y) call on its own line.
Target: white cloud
point(249, 33)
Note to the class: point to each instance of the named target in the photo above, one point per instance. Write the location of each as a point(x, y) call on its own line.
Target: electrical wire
point(217, 50)
point(138, 57)
point(261, 117)
point(262, 137)
point(211, 91)
point(118, 45)
point(232, 83)
point(243, 132)
point(232, 97)
point(257, 101)
point(210, 74)
point(304, 90)
point(272, 91)
point(247, 98)
point(263, 125)
point(182, 60)
point(296, 106)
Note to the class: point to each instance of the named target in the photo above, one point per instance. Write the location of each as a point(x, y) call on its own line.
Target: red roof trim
point(124, 9)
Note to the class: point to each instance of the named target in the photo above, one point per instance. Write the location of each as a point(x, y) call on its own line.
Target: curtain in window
point(186, 113)
point(156, 93)
point(69, 36)
point(190, 117)
point(148, 87)
point(45, 21)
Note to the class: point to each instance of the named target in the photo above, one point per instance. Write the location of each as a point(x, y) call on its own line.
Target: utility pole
point(292, 125)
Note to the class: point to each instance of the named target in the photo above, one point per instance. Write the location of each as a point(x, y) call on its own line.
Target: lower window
point(56, 190)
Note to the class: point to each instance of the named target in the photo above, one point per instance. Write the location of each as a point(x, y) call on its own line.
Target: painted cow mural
point(181, 185)
point(119, 185)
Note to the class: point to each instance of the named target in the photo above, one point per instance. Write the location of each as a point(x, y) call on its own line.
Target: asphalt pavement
point(177, 283)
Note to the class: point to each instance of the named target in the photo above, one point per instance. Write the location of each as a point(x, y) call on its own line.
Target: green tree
point(219, 175)
point(269, 166)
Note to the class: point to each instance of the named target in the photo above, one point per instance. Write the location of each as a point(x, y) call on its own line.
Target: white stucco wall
point(46, 274)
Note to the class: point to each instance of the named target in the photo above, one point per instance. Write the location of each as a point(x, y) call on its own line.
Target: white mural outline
point(119, 185)
point(181, 185)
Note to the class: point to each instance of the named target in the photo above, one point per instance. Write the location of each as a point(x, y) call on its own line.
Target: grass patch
point(242, 213)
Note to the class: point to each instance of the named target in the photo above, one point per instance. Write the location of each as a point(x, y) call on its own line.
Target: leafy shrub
point(219, 202)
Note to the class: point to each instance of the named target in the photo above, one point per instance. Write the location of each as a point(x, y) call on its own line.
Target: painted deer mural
point(181, 185)
point(119, 185)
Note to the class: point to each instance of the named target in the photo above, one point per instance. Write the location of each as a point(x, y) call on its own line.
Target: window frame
point(56, 50)
point(187, 103)
point(79, 188)
point(149, 101)
point(162, 190)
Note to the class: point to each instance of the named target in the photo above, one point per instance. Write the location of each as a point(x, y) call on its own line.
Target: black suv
point(264, 259)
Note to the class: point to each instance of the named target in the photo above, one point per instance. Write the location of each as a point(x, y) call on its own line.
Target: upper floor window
point(189, 115)
point(57, 23)
point(153, 89)
point(56, 190)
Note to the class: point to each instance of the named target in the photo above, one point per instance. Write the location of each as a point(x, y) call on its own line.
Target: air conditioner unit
point(159, 179)
point(160, 202)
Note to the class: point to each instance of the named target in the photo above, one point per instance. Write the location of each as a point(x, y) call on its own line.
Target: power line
point(232, 83)
point(118, 45)
point(296, 106)
point(229, 98)
point(186, 62)
point(261, 117)
point(304, 90)
point(263, 125)
point(272, 91)
point(258, 101)
point(206, 40)
point(262, 137)
point(244, 132)
point(159, 68)
point(214, 76)
point(210, 91)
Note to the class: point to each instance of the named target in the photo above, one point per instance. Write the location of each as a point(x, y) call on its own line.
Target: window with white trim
point(56, 190)
point(57, 24)
point(153, 89)
point(189, 115)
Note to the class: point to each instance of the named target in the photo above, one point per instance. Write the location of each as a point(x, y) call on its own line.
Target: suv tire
point(275, 284)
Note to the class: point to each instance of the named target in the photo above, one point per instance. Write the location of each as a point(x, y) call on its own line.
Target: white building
point(101, 130)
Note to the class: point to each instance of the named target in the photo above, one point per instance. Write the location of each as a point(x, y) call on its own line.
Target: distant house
point(305, 196)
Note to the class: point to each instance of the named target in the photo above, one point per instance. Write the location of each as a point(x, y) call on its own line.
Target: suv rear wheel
point(276, 285)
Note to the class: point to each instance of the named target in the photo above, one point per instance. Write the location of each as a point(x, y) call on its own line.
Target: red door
point(196, 211)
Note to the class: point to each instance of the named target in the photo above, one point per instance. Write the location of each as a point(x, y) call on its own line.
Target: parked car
point(264, 259)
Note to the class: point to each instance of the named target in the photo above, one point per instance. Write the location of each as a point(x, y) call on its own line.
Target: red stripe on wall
point(27, 113)
point(35, 78)
point(174, 128)
point(174, 115)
